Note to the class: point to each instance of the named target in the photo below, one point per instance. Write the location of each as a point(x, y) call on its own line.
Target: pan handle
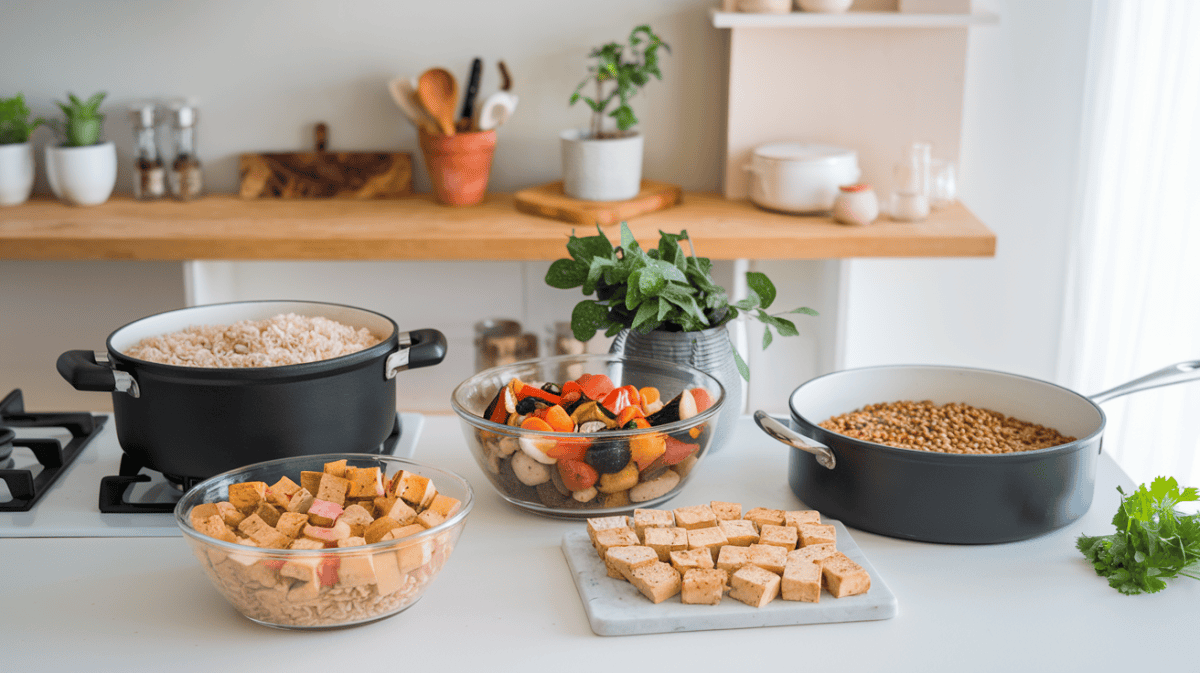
point(418, 348)
point(788, 436)
point(1167, 376)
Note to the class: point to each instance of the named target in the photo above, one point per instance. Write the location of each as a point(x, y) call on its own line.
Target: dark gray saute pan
point(940, 497)
point(194, 422)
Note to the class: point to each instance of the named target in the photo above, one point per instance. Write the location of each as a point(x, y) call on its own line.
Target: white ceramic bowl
point(796, 177)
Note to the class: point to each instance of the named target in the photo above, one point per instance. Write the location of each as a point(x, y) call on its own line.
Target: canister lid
point(806, 152)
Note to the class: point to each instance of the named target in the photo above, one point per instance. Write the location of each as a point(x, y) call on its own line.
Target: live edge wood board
point(225, 227)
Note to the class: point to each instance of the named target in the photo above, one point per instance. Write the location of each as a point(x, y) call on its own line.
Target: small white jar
point(856, 205)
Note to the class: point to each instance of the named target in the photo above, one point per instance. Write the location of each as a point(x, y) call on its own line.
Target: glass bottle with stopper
point(186, 178)
point(149, 176)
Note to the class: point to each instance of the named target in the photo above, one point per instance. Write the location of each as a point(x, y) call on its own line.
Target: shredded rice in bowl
point(285, 339)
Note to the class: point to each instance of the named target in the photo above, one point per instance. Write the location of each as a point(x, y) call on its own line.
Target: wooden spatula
point(438, 92)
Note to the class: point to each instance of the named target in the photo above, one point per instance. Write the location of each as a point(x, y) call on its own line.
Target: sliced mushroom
point(593, 426)
point(593, 411)
point(529, 471)
point(649, 490)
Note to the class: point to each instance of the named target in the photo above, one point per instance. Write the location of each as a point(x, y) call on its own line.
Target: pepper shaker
point(149, 178)
point(186, 179)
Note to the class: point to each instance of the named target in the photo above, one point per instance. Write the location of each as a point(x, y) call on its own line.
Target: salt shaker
point(149, 179)
point(856, 204)
point(186, 179)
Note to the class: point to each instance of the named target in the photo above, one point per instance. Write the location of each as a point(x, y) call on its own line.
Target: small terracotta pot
point(459, 165)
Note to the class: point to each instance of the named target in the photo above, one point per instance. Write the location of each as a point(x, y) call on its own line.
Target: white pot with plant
point(606, 165)
point(82, 170)
point(16, 153)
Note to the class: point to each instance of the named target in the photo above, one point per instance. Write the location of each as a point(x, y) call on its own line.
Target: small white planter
point(16, 173)
point(82, 176)
point(601, 170)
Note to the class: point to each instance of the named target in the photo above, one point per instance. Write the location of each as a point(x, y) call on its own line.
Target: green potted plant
point(599, 163)
point(82, 170)
point(662, 304)
point(16, 153)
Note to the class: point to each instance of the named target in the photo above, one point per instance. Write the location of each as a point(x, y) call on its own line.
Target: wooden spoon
point(438, 92)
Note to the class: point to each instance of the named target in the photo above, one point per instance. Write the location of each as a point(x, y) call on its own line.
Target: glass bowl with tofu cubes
point(325, 541)
point(579, 436)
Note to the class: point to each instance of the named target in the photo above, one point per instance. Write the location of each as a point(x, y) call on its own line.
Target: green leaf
point(565, 274)
point(750, 303)
point(786, 327)
point(588, 317)
point(628, 242)
point(593, 275)
point(803, 309)
point(742, 367)
point(767, 336)
point(651, 281)
point(584, 249)
point(669, 271)
point(762, 286)
point(647, 315)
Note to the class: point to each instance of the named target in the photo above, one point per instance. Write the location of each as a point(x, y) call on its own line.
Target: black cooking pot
point(943, 497)
point(191, 423)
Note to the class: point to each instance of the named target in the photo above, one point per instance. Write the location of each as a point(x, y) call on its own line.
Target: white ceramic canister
point(601, 170)
point(82, 176)
point(796, 177)
point(856, 204)
point(16, 173)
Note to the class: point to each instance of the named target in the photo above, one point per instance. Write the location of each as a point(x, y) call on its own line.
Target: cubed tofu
point(739, 532)
point(666, 540)
point(414, 489)
point(769, 557)
point(355, 571)
point(732, 558)
point(815, 533)
point(615, 537)
point(726, 511)
point(303, 569)
point(780, 536)
point(246, 495)
point(652, 518)
point(328, 535)
point(230, 514)
point(403, 532)
point(263, 534)
point(703, 586)
point(214, 526)
point(358, 518)
point(306, 543)
point(657, 581)
point(843, 577)
point(301, 501)
point(388, 578)
point(378, 528)
point(801, 582)
point(762, 515)
point(324, 512)
point(417, 553)
point(262, 573)
point(351, 542)
point(754, 586)
point(365, 482)
point(392, 506)
point(303, 592)
point(202, 512)
point(291, 523)
point(797, 518)
point(430, 518)
point(333, 489)
point(814, 553)
point(623, 560)
point(445, 505)
point(595, 525)
point(336, 468)
point(268, 512)
point(310, 481)
point(280, 493)
point(696, 516)
point(690, 559)
point(711, 539)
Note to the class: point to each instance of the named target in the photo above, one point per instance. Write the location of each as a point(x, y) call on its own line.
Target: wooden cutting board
point(325, 175)
point(550, 201)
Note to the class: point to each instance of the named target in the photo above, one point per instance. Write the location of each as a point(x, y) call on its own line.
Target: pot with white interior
point(194, 422)
point(796, 177)
point(16, 173)
point(963, 498)
point(601, 169)
point(82, 176)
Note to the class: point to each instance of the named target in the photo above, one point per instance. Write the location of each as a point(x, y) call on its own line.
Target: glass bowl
point(352, 585)
point(504, 452)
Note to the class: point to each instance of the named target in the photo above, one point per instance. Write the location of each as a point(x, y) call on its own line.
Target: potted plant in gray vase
point(601, 164)
point(662, 304)
point(82, 170)
point(16, 153)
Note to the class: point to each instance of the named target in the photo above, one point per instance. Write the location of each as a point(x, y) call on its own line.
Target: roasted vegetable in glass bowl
point(587, 435)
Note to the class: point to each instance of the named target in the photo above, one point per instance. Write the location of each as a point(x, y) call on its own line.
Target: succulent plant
point(15, 126)
point(84, 123)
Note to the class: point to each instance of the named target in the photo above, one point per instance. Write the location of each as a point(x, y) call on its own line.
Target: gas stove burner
point(163, 496)
point(25, 487)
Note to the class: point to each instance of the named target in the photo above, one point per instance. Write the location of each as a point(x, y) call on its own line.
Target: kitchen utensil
point(495, 445)
point(393, 573)
point(194, 422)
point(496, 109)
point(946, 497)
point(548, 200)
point(404, 93)
point(795, 177)
point(468, 106)
point(321, 174)
point(458, 165)
point(505, 78)
point(437, 90)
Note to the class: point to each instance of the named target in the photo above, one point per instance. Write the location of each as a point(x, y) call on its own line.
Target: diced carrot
point(677, 450)
point(571, 397)
point(571, 448)
point(628, 414)
point(596, 386)
point(702, 398)
point(648, 395)
point(571, 387)
point(558, 419)
point(577, 475)
point(646, 448)
point(536, 424)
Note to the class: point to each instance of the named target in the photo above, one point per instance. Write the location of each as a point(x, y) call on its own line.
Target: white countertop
point(506, 601)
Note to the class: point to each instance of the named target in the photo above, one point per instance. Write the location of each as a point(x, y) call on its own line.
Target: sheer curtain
point(1133, 298)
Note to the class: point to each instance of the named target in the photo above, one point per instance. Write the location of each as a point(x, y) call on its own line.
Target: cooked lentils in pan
point(950, 428)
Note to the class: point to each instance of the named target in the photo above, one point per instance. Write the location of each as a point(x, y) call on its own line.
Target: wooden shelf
point(225, 227)
point(850, 20)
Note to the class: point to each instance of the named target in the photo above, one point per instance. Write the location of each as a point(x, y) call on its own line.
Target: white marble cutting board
point(615, 608)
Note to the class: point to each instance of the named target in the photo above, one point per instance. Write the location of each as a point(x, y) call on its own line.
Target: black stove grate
point(25, 487)
point(113, 488)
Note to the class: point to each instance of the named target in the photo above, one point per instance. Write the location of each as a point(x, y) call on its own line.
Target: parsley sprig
point(1154, 542)
point(662, 288)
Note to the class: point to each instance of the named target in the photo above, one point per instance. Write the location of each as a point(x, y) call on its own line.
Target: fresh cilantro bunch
point(1153, 542)
point(661, 288)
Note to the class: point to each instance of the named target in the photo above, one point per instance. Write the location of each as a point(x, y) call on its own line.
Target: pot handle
point(91, 370)
point(418, 348)
point(1167, 376)
point(790, 437)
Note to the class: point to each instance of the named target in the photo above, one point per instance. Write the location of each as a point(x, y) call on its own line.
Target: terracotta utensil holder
point(458, 165)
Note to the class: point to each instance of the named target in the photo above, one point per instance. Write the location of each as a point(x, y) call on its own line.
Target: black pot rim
point(281, 372)
point(835, 440)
